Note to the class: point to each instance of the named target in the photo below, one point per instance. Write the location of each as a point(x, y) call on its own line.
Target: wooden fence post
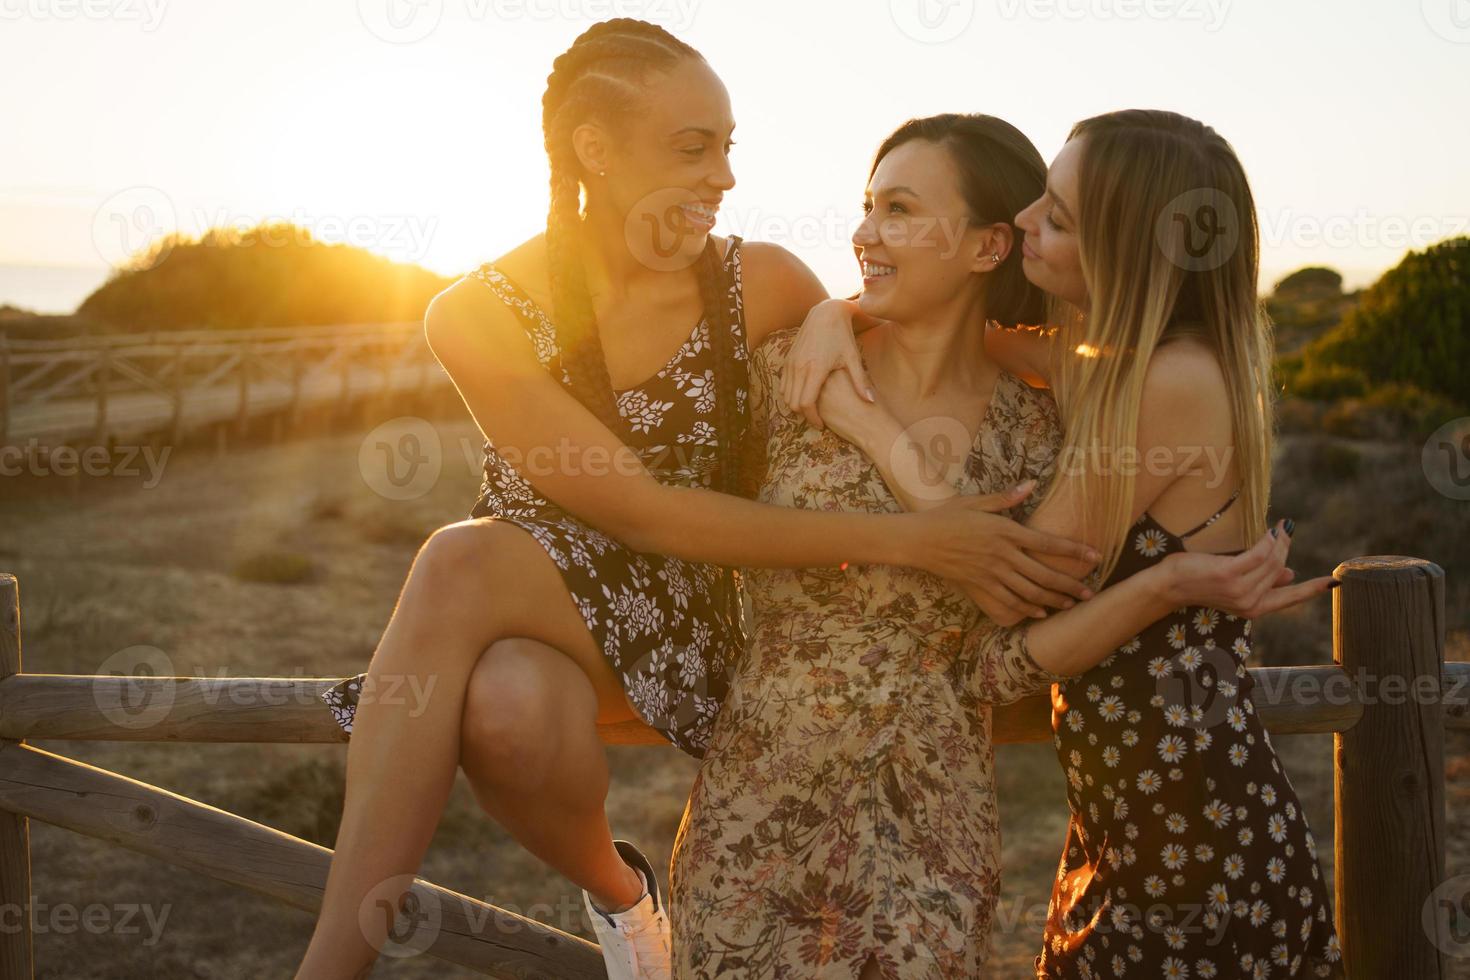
point(103, 377)
point(4, 386)
point(1388, 632)
point(16, 956)
point(242, 412)
point(176, 393)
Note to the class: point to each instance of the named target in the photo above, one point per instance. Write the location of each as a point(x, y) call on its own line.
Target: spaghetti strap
point(1213, 517)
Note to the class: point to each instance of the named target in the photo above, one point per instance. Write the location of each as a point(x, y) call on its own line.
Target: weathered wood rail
point(1388, 631)
point(129, 386)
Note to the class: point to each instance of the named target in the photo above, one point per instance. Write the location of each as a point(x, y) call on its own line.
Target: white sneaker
point(635, 942)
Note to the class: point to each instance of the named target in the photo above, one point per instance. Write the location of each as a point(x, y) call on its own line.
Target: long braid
point(714, 289)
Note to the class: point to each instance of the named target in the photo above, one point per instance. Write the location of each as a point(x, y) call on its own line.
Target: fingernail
point(1088, 593)
point(1335, 584)
point(1027, 485)
point(1068, 604)
point(1290, 526)
point(1273, 532)
point(1093, 555)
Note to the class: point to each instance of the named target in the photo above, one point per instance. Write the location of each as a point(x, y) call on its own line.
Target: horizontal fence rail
point(1290, 700)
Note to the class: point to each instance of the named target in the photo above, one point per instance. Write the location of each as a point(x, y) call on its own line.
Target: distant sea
point(48, 288)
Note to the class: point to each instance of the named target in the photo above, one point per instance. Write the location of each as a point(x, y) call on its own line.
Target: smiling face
point(917, 244)
point(667, 163)
point(1049, 250)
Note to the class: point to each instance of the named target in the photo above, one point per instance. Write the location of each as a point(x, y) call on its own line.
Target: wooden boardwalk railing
point(129, 386)
point(1388, 630)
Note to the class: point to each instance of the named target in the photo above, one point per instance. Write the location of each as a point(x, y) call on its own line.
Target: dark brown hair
point(1000, 173)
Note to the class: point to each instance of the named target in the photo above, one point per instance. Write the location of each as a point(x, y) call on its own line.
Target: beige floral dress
point(846, 805)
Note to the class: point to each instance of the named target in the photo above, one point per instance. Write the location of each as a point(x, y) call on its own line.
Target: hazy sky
point(413, 126)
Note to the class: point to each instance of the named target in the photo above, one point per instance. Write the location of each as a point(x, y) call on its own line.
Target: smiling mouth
point(702, 215)
point(873, 271)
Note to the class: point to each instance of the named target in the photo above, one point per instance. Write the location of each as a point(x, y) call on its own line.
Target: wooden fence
point(129, 386)
point(1388, 628)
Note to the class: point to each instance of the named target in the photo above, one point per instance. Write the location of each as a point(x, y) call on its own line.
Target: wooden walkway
point(98, 389)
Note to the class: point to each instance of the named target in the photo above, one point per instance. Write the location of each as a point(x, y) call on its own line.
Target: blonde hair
point(1149, 183)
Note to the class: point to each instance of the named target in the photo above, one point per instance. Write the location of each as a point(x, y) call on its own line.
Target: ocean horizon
point(48, 288)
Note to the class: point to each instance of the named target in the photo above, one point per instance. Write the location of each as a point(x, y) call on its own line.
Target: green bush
point(273, 275)
point(1412, 327)
point(1328, 382)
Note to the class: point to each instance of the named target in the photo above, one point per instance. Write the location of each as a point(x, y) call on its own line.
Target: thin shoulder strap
point(1213, 517)
point(511, 293)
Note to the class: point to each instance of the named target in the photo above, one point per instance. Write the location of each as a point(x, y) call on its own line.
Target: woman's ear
point(994, 245)
point(590, 143)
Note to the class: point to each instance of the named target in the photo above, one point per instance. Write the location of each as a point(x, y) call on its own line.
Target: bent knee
point(520, 697)
point(471, 551)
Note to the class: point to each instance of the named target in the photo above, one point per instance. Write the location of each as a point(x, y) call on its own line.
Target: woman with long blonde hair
point(1187, 852)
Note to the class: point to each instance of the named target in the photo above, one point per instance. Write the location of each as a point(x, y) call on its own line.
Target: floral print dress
point(1188, 854)
point(846, 806)
point(657, 619)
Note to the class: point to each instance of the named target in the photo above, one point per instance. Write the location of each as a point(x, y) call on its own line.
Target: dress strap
point(1213, 517)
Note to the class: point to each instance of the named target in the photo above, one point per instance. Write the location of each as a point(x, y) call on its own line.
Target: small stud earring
point(602, 173)
point(995, 257)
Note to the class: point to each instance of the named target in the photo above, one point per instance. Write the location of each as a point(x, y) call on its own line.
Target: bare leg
point(472, 584)
point(532, 755)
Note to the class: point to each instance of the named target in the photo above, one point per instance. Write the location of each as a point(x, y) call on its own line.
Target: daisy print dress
point(1188, 854)
point(657, 619)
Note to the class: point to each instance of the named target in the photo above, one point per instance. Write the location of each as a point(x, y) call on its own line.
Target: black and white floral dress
point(1188, 854)
point(657, 619)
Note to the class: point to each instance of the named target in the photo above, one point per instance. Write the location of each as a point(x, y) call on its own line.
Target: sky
point(412, 127)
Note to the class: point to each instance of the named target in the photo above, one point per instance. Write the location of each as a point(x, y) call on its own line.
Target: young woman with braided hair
point(590, 583)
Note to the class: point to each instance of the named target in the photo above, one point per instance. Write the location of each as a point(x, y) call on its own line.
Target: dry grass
point(105, 566)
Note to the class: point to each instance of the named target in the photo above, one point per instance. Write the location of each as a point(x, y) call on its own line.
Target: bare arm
point(1075, 639)
point(592, 474)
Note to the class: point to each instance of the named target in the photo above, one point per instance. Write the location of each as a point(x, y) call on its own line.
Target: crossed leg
point(483, 607)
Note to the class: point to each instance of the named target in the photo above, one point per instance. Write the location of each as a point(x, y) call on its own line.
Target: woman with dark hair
point(1188, 853)
point(843, 822)
point(591, 583)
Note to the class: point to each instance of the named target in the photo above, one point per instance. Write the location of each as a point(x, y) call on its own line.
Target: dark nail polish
point(1273, 532)
point(1290, 527)
point(1335, 584)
